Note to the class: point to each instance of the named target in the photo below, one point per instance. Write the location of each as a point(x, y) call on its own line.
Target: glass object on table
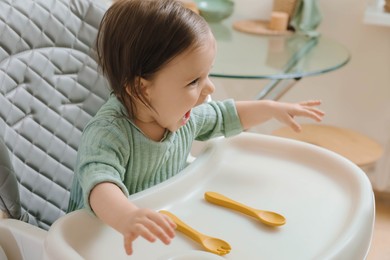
point(248, 56)
point(214, 11)
point(284, 59)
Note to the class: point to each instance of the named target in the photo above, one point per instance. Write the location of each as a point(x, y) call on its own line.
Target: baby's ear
point(128, 90)
point(141, 86)
point(144, 87)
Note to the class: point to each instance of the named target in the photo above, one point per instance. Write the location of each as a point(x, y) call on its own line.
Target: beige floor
point(380, 246)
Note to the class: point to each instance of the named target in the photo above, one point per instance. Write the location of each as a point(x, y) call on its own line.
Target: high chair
point(50, 87)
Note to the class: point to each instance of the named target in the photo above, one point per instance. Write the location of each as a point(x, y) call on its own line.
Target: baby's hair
point(137, 38)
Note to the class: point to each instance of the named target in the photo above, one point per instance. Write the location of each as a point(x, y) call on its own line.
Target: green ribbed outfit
point(113, 149)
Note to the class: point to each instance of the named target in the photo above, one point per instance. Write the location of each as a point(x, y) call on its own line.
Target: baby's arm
point(253, 113)
point(115, 209)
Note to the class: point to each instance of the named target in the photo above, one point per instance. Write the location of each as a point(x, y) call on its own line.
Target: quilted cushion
point(9, 197)
point(50, 87)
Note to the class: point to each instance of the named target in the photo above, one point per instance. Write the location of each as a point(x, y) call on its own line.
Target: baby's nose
point(208, 88)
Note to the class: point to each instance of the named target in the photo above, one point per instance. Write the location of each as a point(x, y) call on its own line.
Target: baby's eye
point(194, 82)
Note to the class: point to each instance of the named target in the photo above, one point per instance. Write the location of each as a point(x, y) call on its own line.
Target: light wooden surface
point(358, 148)
point(257, 27)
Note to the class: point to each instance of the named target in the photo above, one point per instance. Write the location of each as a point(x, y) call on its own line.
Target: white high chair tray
point(326, 199)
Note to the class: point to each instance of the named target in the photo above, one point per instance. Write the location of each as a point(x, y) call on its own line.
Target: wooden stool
point(356, 147)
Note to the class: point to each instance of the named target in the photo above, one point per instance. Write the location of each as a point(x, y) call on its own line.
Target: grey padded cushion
point(9, 197)
point(49, 89)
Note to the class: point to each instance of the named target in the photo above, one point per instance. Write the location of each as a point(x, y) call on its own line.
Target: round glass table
point(284, 59)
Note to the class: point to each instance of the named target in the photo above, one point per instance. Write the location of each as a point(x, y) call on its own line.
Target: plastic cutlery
point(267, 217)
point(211, 244)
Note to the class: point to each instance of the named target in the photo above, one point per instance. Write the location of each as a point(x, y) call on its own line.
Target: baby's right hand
point(148, 224)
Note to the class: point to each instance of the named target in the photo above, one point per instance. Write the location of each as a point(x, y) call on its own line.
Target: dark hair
point(137, 38)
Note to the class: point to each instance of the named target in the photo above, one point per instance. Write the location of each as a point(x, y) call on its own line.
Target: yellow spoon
point(267, 217)
point(211, 244)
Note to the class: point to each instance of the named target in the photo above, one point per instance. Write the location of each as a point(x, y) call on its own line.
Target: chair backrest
point(50, 87)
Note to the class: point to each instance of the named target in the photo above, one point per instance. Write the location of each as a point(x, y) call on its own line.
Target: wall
point(358, 95)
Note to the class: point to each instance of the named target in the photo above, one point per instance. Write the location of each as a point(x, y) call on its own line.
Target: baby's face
point(181, 85)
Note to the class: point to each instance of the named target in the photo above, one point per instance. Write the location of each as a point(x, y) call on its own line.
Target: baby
point(157, 56)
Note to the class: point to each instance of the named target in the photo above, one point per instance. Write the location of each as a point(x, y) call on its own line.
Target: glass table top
point(250, 56)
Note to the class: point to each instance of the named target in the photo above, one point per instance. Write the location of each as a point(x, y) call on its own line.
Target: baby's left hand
point(285, 112)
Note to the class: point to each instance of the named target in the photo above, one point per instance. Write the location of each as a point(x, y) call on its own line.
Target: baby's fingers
point(145, 230)
point(309, 109)
point(161, 227)
point(310, 103)
point(128, 244)
point(294, 125)
point(169, 225)
point(314, 113)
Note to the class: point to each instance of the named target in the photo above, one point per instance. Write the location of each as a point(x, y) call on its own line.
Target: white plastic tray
point(326, 199)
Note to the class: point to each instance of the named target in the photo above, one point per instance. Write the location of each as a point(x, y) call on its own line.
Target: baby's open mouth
point(186, 117)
